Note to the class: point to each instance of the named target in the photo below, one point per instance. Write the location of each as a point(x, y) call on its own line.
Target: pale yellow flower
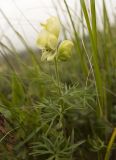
point(46, 40)
point(65, 50)
point(52, 25)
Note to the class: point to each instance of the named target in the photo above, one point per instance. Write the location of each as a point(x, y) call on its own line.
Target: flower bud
point(65, 50)
point(52, 25)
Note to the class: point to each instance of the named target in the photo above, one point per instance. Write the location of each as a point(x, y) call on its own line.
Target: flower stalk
point(57, 76)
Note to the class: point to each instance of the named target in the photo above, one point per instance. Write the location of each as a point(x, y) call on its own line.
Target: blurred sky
point(25, 16)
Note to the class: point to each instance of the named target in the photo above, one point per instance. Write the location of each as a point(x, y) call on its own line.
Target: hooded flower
point(65, 50)
point(47, 41)
point(48, 38)
point(52, 25)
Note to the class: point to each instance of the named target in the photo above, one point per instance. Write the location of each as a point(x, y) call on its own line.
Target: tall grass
point(36, 122)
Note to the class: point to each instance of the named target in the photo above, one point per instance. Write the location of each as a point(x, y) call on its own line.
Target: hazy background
point(25, 16)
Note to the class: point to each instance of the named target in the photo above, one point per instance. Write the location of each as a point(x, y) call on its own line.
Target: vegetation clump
point(63, 108)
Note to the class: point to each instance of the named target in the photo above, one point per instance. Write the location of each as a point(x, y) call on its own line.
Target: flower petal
point(46, 40)
point(51, 57)
point(42, 39)
point(52, 25)
point(52, 41)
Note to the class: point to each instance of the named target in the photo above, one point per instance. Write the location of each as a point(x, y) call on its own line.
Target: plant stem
point(57, 76)
point(99, 156)
point(61, 120)
point(107, 155)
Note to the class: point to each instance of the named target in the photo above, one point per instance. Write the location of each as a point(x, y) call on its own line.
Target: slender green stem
point(107, 155)
point(99, 156)
point(61, 120)
point(57, 76)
